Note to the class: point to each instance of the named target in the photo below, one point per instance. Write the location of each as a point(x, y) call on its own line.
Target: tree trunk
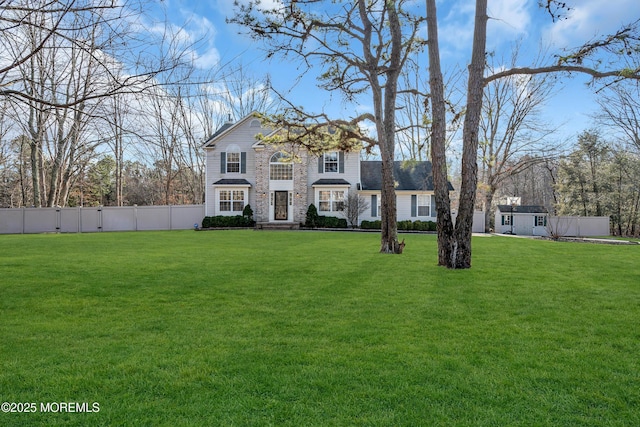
point(438, 140)
point(35, 173)
point(454, 242)
point(461, 257)
point(488, 200)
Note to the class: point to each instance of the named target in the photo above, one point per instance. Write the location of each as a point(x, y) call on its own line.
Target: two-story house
point(242, 170)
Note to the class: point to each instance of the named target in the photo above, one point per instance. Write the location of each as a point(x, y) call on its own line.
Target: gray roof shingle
point(336, 181)
point(410, 175)
point(526, 209)
point(237, 181)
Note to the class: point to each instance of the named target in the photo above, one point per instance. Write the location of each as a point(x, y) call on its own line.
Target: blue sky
point(511, 20)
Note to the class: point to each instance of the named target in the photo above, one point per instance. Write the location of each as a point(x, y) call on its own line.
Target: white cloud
point(508, 17)
point(590, 18)
point(508, 20)
point(202, 33)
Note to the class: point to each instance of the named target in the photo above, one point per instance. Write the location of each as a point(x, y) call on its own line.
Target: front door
point(281, 206)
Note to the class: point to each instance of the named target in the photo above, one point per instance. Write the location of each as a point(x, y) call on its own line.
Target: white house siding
point(403, 206)
point(241, 135)
point(351, 169)
point(366, 215)
point(351, 174)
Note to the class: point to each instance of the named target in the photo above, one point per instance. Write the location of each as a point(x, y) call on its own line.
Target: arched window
point(280, 167)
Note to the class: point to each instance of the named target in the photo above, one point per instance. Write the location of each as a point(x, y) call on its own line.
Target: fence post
point(58, 219)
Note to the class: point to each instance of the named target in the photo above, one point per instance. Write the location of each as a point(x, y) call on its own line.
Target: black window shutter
point(321, 163)
point(433, 206)
point(223, 162)
point(414, 205)
point(502, 216)
point(243, 162)
point(341, 162)
point(374, 205)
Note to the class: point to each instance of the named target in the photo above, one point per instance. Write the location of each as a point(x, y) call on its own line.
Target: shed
point(523, 220)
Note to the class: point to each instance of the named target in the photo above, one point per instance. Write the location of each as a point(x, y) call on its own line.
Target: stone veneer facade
point(301, 185)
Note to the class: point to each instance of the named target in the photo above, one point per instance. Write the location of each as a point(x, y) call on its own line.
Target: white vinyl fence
point(577, 226)
point(83, 220)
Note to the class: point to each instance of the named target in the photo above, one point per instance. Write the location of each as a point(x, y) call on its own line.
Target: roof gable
point(228, 128)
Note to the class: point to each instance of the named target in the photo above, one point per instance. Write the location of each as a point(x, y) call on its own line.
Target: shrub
point(247, 212)
point(371, 225)
point(405, 225)
point(227, 221)
point(331, 222)
point(311, 219)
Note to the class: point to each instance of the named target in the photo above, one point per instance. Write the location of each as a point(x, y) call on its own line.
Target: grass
point(244, 328)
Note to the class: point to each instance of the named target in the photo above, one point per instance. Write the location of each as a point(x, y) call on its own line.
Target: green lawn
point(245, 328)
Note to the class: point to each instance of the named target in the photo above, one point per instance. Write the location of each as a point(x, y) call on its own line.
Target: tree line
point(96, 108)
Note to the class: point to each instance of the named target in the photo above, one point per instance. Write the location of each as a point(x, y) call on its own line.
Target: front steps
point(277, 226)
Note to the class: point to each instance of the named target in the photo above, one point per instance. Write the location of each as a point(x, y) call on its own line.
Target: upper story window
point(331, 162)
point(280, 167)
point(233, 160)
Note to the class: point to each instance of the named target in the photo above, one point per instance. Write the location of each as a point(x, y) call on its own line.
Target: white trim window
point(506, 219)
point(331, 162)
point(231, 200)
point(540, 221)
point(331, 200)
point(375, 205)
point(424, 204)
point(233, 162)
point(280, 167)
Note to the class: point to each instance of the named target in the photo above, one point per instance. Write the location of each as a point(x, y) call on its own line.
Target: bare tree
point(59, 141)
point(241, 93)
point(412, 125)
point(620, 111)
point(512, 138)
point(536, 184)
point(63, 20)
point(355, 205)
point(454, 240)
point(361, 47)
